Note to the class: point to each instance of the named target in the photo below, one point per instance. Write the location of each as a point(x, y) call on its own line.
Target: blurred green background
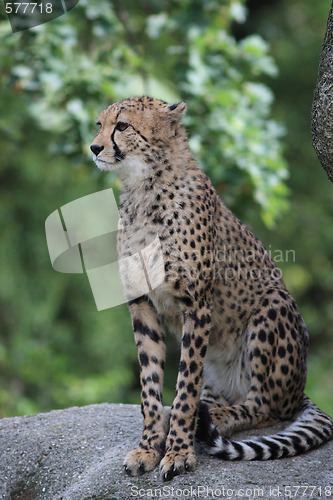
point(247, 71)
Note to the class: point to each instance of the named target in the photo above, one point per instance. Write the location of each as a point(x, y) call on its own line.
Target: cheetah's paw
point(176, 463)
point(139, 461)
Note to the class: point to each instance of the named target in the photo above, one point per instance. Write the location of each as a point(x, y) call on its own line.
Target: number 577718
point(27, 8)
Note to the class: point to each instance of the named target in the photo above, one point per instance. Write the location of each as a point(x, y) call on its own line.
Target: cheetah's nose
point(96, 149)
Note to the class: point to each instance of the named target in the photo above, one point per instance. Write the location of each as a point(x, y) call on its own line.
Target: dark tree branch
point(322, 110)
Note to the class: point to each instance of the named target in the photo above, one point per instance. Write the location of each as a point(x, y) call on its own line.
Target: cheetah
point(243, 342)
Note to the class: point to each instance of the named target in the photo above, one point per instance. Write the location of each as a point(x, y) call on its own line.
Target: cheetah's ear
point(177, 111)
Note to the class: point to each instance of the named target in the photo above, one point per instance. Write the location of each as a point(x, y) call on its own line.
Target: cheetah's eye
point(121, 126)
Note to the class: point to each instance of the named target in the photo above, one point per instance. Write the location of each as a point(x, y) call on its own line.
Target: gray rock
point(78, 454)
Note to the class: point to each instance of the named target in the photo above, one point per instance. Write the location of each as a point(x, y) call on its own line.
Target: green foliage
point(319, 382)
point(186, 51)
point(56, 350)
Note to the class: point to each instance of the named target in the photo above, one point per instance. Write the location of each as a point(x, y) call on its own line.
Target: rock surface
point(78, 454)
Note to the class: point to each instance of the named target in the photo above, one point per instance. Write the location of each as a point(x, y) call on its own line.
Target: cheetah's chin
point(104, 165)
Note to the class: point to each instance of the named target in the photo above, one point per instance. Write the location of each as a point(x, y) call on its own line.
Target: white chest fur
point(228, 371)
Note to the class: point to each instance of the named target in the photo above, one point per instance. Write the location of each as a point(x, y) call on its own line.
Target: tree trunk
point(322, 110)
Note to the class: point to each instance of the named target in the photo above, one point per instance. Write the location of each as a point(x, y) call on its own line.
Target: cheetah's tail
point(311, 428)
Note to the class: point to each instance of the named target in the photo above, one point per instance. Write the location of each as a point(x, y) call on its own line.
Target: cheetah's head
point(134, 132)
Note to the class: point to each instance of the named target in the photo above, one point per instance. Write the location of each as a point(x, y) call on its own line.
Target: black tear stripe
point(139, 133)
point(118, 154)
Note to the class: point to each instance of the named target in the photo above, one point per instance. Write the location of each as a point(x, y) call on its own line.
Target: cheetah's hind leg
point(211, 399)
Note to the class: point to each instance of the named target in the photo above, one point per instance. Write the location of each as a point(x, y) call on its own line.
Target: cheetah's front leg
point(180, 454)
point(149, 338)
